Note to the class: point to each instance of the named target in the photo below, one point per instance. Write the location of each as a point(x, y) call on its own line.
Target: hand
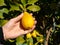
point(13, 29)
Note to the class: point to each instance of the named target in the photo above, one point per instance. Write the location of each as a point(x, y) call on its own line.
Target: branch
point(47, 37)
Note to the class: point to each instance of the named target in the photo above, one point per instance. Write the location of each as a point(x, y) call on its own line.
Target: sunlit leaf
point(40, 39)
point(19, 40)
point(11, 40)
point(25, 44)
point(33, 8)
point(24, 2)
point(17, 43)
point(21, 6)
point(2, 22)
point(2, 2)
point(30, 41)
point(58, 26)
point(14, 7)
point(1, 15)
point(4, 10)
point(32, 1)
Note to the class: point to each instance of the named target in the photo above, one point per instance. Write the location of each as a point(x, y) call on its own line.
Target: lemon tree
point(47, 14)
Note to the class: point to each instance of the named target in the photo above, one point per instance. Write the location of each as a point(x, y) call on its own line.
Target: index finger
point(18, 17)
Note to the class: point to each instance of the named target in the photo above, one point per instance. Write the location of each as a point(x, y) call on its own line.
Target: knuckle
point(12, 19)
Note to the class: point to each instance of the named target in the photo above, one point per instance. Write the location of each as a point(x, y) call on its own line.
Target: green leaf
point(24, 2)
point(58, 26)
point(32, 1)
point(19, 40)
point(11, 40)
point(17, 43)
point(30, 41)
point(33, 8)
point(2, 22)
point(25, 44)
point(21, 6)
point(1, 15)
point(14, 7)
point(2, 2)
point(4, 10)
point(38, 38)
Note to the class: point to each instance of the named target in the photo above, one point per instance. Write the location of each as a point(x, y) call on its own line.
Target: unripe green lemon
point(27, 20)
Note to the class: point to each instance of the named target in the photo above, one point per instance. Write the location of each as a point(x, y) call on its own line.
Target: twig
point(43, 24)
point(47, 37)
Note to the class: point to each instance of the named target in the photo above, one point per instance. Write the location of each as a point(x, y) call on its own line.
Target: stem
point(47, 37)
point(23, 8)
point(36, 43)
point(43, 24)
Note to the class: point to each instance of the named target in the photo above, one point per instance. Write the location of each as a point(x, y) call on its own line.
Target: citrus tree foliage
point(47, 14)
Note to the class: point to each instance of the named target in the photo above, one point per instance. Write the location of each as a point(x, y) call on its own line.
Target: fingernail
point(35, 22)
point(31, 14)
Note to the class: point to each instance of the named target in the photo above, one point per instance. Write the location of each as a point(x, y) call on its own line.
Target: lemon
point(34, 34)
point(27, 20)
point(28, 35)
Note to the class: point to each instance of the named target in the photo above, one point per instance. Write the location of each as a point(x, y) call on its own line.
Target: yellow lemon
point(34, 33)
point(28, 35)
point(27, 20)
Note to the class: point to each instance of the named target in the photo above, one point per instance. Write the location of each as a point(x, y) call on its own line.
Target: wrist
point(4, 33)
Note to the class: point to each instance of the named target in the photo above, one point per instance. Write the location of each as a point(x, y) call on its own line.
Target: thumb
point(18, 17)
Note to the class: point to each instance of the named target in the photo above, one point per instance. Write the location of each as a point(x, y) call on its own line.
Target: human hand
point(13, 29)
